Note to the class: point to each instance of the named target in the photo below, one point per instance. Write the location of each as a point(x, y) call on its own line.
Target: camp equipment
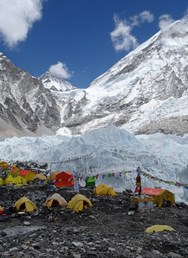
point(142, 202)
point(159, 228)
point(90, 181)
point(26, 205)
point(17, 181)
point(55, 200)
point(160, 196)
point(104, 189)
point(79, 202)
point(4, 165)
point(64, 179)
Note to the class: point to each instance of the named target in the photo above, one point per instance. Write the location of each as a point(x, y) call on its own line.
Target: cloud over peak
point(122, 37)
point(164, 21)
point(60, 70)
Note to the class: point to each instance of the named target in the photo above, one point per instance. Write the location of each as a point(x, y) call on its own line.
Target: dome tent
point(90, 181)
point(64, 179)
point(78, 203)
point(55, 200)
point(17, 181)
point(26, 205)
point(104, 189)
point(40, 176)
point(4, 165)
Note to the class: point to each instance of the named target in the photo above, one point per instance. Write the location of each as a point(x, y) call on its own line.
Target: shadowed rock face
point(24, 103)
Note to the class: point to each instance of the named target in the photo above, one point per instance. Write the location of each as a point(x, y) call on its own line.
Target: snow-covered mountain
point(145, 92)
point(26, 107)
point(55, 83)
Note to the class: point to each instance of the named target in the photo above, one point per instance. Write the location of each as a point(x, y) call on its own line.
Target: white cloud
point(60, 70)
point(17, 18)
point(122, 37)
point(145, 16)
point(164, 21)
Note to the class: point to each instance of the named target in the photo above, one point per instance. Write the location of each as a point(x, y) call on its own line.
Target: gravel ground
point(108, 229)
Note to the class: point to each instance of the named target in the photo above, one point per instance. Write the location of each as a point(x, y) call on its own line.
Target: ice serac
point(145, 92)
point(26, 107)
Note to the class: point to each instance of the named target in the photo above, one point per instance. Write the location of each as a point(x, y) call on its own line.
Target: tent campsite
point(18, 180)
point(160, 196)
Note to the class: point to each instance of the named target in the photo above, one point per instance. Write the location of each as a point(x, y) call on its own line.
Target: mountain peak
point(55, 83)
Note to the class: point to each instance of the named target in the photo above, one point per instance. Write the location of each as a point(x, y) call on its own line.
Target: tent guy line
point(119, 174)
point(70, 160)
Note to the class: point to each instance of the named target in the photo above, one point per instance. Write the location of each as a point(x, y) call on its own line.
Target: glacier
point(107, 151)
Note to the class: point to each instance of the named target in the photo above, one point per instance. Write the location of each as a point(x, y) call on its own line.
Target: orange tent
point(24, 172)
point(64, 178)
point(152, 191)
point(160, 196)
point(14, 170)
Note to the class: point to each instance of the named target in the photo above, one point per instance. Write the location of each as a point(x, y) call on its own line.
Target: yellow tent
point(18, 180)
point(9, 180)
point(30, 176)
point(55, 200)
point(40, 176)
point(26, 205)
point(104, 189)
point(78, 203)
point(159, 228)
point(4, 165)
point(1, 181)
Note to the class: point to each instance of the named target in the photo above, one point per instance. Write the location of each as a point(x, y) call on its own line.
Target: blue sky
point(79, 39)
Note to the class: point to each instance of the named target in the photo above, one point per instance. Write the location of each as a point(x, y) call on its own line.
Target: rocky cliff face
point(26, 107)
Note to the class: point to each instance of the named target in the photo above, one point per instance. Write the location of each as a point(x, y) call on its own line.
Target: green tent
point(90, 181)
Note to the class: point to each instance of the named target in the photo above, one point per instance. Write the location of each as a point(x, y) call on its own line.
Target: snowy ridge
point(145, 92)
